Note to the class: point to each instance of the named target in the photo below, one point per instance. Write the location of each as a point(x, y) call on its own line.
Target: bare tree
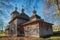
point(50, 12)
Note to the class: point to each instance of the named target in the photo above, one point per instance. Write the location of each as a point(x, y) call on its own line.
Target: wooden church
point(23, 25)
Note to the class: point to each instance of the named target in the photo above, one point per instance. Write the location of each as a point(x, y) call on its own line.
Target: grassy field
point(2, 34)
point(56, 36)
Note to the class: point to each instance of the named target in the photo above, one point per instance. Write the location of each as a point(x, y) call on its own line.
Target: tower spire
point(22, 9)
point(16, 8)
point(34, 11)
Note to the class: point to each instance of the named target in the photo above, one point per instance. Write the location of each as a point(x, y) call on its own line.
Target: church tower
point(13, 23)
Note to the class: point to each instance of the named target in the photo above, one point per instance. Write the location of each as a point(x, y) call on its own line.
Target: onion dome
point(35, 16)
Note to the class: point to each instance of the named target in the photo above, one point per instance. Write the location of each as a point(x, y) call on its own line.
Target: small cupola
point(34, 12)
point(22, 11)
point(15, 13)
point(23, 15)
point(16, 8)
point(34, 16)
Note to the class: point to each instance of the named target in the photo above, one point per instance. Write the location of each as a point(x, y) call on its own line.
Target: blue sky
point(8, 6)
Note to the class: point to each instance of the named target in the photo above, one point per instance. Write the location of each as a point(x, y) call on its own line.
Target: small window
point(28, 29)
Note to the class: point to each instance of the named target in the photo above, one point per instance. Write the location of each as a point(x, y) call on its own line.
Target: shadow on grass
point(56, 33)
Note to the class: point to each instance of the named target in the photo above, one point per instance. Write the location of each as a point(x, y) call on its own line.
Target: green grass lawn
point(2, 34)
